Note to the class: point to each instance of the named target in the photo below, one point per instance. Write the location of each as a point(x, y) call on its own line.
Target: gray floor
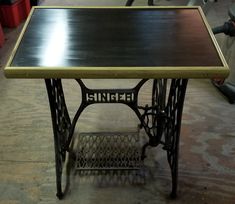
point(207, 162)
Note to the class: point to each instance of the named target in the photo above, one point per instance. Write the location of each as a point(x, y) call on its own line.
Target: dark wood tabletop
point(116, 40)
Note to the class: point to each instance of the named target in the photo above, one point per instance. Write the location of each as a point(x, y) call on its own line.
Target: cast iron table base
point(161, 120)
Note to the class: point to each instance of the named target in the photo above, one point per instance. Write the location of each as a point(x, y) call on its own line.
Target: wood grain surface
point(116, 38)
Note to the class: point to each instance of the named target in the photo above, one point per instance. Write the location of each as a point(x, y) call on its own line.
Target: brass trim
point(116, 72)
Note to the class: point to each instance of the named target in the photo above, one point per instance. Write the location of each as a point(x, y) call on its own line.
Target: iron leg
point(172, 133)
point(129, 2)
point(150, 3)
point(61, 124)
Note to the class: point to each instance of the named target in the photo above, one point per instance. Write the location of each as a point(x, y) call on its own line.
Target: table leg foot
point(174, 174)
point(59, 170)
point(59, 195)
point(173, 195)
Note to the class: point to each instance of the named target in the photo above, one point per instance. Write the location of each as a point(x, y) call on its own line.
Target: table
point(166, 44)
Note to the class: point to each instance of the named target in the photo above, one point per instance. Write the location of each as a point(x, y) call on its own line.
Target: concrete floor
point(207, 149)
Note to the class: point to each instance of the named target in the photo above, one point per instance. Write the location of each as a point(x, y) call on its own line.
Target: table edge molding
point(116, 72)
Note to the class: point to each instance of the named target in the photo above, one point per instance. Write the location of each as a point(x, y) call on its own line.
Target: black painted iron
point(161, 120)
point(130, 2)
point(61, 124)
point(174, 111)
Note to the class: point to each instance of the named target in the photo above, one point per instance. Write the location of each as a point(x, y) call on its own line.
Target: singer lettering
point(110, 97)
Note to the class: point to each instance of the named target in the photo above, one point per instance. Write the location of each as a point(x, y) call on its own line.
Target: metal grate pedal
point(108, 151)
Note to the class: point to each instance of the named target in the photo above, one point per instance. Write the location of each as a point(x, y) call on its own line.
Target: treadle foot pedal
point(108, 151)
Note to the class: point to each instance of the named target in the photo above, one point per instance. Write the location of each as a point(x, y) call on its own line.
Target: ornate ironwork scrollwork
point(61, 125)
point(161, 120)
point(154, 117)
point(174, 110)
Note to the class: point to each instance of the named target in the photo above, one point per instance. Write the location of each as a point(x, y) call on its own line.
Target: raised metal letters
point(109, 97)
